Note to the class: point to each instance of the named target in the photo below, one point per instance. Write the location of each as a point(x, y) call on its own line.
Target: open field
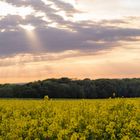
point(109, 119)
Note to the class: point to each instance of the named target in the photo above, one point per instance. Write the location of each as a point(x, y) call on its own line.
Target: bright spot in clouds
point(35, 44)
point(28, 27)
point(8, 9)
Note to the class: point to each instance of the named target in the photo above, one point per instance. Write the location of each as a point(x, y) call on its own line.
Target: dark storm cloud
point(85, 36)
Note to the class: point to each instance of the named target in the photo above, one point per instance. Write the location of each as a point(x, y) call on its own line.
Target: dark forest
point(69, 88)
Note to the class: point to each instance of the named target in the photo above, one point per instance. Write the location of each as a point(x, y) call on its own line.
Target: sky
point(42, 39)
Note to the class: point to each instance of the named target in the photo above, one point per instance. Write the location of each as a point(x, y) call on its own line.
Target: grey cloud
point(10, 22)
point(88, 36)
point(13, 43)
point(13, 22)
point(51, 13)
point(40, 5)
point(114, 21)
point(34, 3)
point(68, 8)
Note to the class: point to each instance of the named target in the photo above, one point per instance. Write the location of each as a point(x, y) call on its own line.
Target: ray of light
point(34, 41)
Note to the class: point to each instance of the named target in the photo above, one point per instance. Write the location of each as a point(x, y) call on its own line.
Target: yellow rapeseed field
point(108, 119)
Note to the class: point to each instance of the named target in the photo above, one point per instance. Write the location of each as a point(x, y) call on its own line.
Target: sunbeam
point(34, 41)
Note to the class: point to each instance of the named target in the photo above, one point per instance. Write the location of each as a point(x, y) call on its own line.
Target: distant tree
point(73, 88)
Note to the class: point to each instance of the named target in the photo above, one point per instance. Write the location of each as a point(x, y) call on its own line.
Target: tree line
point(70, 88)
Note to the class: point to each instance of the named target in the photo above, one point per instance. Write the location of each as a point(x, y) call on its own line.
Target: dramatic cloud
point(65, 35)
point(33, 31)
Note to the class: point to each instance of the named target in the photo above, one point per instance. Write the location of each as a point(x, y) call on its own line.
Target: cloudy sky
point(42, 39)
